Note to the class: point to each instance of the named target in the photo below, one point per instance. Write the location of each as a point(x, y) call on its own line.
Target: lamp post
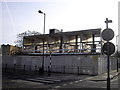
point(43, 38)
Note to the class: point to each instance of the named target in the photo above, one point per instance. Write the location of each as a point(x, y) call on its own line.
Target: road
point(55, 81)
point(11, 80)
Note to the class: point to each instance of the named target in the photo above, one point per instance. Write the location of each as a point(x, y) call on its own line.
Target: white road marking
point(71, 83)
point(80, 80)
point(76, 81)
point(64, 84)
point(57, 86)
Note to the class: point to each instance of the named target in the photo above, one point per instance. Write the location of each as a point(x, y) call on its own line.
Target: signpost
point(108, 48)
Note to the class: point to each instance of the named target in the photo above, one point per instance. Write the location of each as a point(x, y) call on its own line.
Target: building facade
point(9, 49)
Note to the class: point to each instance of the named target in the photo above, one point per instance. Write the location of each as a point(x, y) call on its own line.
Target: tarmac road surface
point(57, 81)
point(10, 80)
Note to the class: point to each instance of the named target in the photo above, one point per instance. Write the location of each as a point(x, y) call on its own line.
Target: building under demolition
point(65, 52)
point(80, 42)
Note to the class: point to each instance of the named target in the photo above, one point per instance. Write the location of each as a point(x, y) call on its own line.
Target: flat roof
point(84, 33)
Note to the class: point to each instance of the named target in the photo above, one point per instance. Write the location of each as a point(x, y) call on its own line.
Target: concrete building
point(83, 41)
point(9, 49)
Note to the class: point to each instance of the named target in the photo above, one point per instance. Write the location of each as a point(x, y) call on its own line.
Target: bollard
point(24, 68)
point(14, 67)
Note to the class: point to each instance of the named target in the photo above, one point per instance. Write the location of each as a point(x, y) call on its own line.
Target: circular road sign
point(107, 34)
point(110, 49)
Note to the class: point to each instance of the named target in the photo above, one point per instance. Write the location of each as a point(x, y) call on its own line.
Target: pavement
point(103, 76)
point(93, 82)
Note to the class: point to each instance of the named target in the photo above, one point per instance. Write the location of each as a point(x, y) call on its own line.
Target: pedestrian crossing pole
point(49, 68)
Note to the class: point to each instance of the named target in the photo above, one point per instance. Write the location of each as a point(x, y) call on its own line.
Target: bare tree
point(19, 41)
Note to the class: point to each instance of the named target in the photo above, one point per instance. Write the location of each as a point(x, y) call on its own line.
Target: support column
point(81, 44)
point(61, 42)
point(94, 46)
point(76, 43)
point(35, 48)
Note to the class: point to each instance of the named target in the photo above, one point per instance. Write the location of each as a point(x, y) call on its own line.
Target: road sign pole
point(108, 62)
point(108, 77)
point(108, 48)
point(108, 67)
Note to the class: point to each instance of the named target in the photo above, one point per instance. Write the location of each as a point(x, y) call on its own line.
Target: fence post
point(40, 71)
point(93, 71)
point(24, 68)
point(14, 67)
point(49, 71)
point(35, 69)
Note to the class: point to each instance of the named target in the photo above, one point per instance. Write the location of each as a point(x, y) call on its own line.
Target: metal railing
point(27, 69)
point(65, 51)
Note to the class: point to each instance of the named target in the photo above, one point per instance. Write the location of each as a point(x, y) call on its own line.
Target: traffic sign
point(108, 48)
point(107, 34)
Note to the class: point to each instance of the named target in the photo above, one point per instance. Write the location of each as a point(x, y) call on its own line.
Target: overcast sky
point(69, 15)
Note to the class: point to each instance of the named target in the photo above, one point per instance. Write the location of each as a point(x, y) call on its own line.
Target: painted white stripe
point(64, 84)
point(57, 86)
point(76, 81)
point(80, 80)
point(71, 83)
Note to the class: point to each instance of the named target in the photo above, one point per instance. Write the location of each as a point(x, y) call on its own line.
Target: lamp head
point(40, 11)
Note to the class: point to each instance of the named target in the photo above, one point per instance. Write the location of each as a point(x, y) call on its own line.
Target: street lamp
point(43, 38)
point(44, 20)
